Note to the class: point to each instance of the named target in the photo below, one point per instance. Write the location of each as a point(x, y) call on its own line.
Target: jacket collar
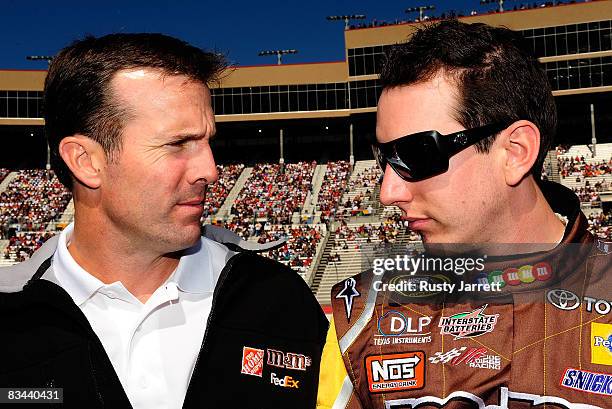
point(13, 278)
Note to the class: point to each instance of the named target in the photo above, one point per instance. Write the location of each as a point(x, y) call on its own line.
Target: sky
point(239, 29)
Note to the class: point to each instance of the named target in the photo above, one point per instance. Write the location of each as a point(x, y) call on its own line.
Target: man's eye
point(177, 143)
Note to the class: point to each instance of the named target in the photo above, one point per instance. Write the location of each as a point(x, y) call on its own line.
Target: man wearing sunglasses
point(464, 122)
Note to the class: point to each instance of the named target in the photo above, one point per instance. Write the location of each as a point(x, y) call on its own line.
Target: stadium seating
point(350, 246)
point(23, 244)
point(3, 173)
point(334, 183)
point(31, 200)
point(359, 199)
point(218, 191)
point(601, 225)
point(273, 194)
point(266, 202)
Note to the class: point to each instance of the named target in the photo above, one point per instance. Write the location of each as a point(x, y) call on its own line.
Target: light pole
point(279, 54)
point(48, 59)
point(500, 2)
point(346, 18)
point(420, 9)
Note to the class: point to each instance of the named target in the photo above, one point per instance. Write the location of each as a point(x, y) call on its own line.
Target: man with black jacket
point(130, 306)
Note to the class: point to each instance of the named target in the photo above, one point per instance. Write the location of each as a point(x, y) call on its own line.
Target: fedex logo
point(396, 372)
point(285, 382)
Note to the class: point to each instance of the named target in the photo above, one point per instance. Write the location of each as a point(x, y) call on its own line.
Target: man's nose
point(204, 167)
point(394, 189)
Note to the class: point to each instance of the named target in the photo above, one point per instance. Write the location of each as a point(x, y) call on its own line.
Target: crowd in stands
point(361, 204)
point(450, 14)
point(577, 166)
point(23, 245)
point(562, 149)
point(299, 250)
point(31, 201)
point(3, 173)
point(263, 209)
point(218, 191)
point(601, 225)
point(274, 192)
point(385, 232)
point(590, 193)
point(334, 184)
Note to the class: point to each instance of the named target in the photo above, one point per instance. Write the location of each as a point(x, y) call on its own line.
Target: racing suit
point(544, 338)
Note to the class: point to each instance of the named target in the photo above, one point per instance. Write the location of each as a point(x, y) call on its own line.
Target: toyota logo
point(563, 299)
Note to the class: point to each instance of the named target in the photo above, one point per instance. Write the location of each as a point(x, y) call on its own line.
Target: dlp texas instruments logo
point(396, 328)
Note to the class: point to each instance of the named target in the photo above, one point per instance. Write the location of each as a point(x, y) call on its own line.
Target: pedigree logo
point(396, 372)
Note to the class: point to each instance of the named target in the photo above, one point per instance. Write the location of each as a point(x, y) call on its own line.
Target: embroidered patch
point(396, 372)
point(468, 324)
point(396, 328)
point(587, 381)
point(252, 361)
point(348, 293)
point(288, 360)
point(601, 343)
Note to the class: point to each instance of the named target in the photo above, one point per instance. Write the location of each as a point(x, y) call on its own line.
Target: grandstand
point(334, 244)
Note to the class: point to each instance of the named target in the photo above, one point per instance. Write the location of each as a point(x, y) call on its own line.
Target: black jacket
point(264, 320)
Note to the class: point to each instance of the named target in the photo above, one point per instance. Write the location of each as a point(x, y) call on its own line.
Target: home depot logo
point(396, 372)
point(252, 361)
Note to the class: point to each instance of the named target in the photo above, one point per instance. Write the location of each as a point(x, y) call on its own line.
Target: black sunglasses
point(422, 155)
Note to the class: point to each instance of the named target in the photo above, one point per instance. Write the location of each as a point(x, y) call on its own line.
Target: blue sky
point(237, 28)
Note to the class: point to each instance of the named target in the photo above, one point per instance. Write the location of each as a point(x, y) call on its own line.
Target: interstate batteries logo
point(396, 372)
point(468, 324)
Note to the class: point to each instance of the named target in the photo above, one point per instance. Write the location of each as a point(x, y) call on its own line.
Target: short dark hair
point(498, 78)
point(77, 96)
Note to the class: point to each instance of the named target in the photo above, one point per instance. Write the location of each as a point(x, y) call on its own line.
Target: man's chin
point(186, 236)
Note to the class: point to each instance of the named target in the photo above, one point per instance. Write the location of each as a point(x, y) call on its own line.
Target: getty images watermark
point(436, 270)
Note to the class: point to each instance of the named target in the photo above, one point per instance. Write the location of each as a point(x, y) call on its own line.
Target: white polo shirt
point(152, 346)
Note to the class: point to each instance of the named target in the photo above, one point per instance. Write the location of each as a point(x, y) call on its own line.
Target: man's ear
point(84, 157)
point(521, 142)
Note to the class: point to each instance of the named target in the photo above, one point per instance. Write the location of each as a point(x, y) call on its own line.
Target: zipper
point(222, 279)
point(95, 377)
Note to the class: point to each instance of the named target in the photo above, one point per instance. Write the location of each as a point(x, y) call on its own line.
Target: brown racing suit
point(543, 340)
